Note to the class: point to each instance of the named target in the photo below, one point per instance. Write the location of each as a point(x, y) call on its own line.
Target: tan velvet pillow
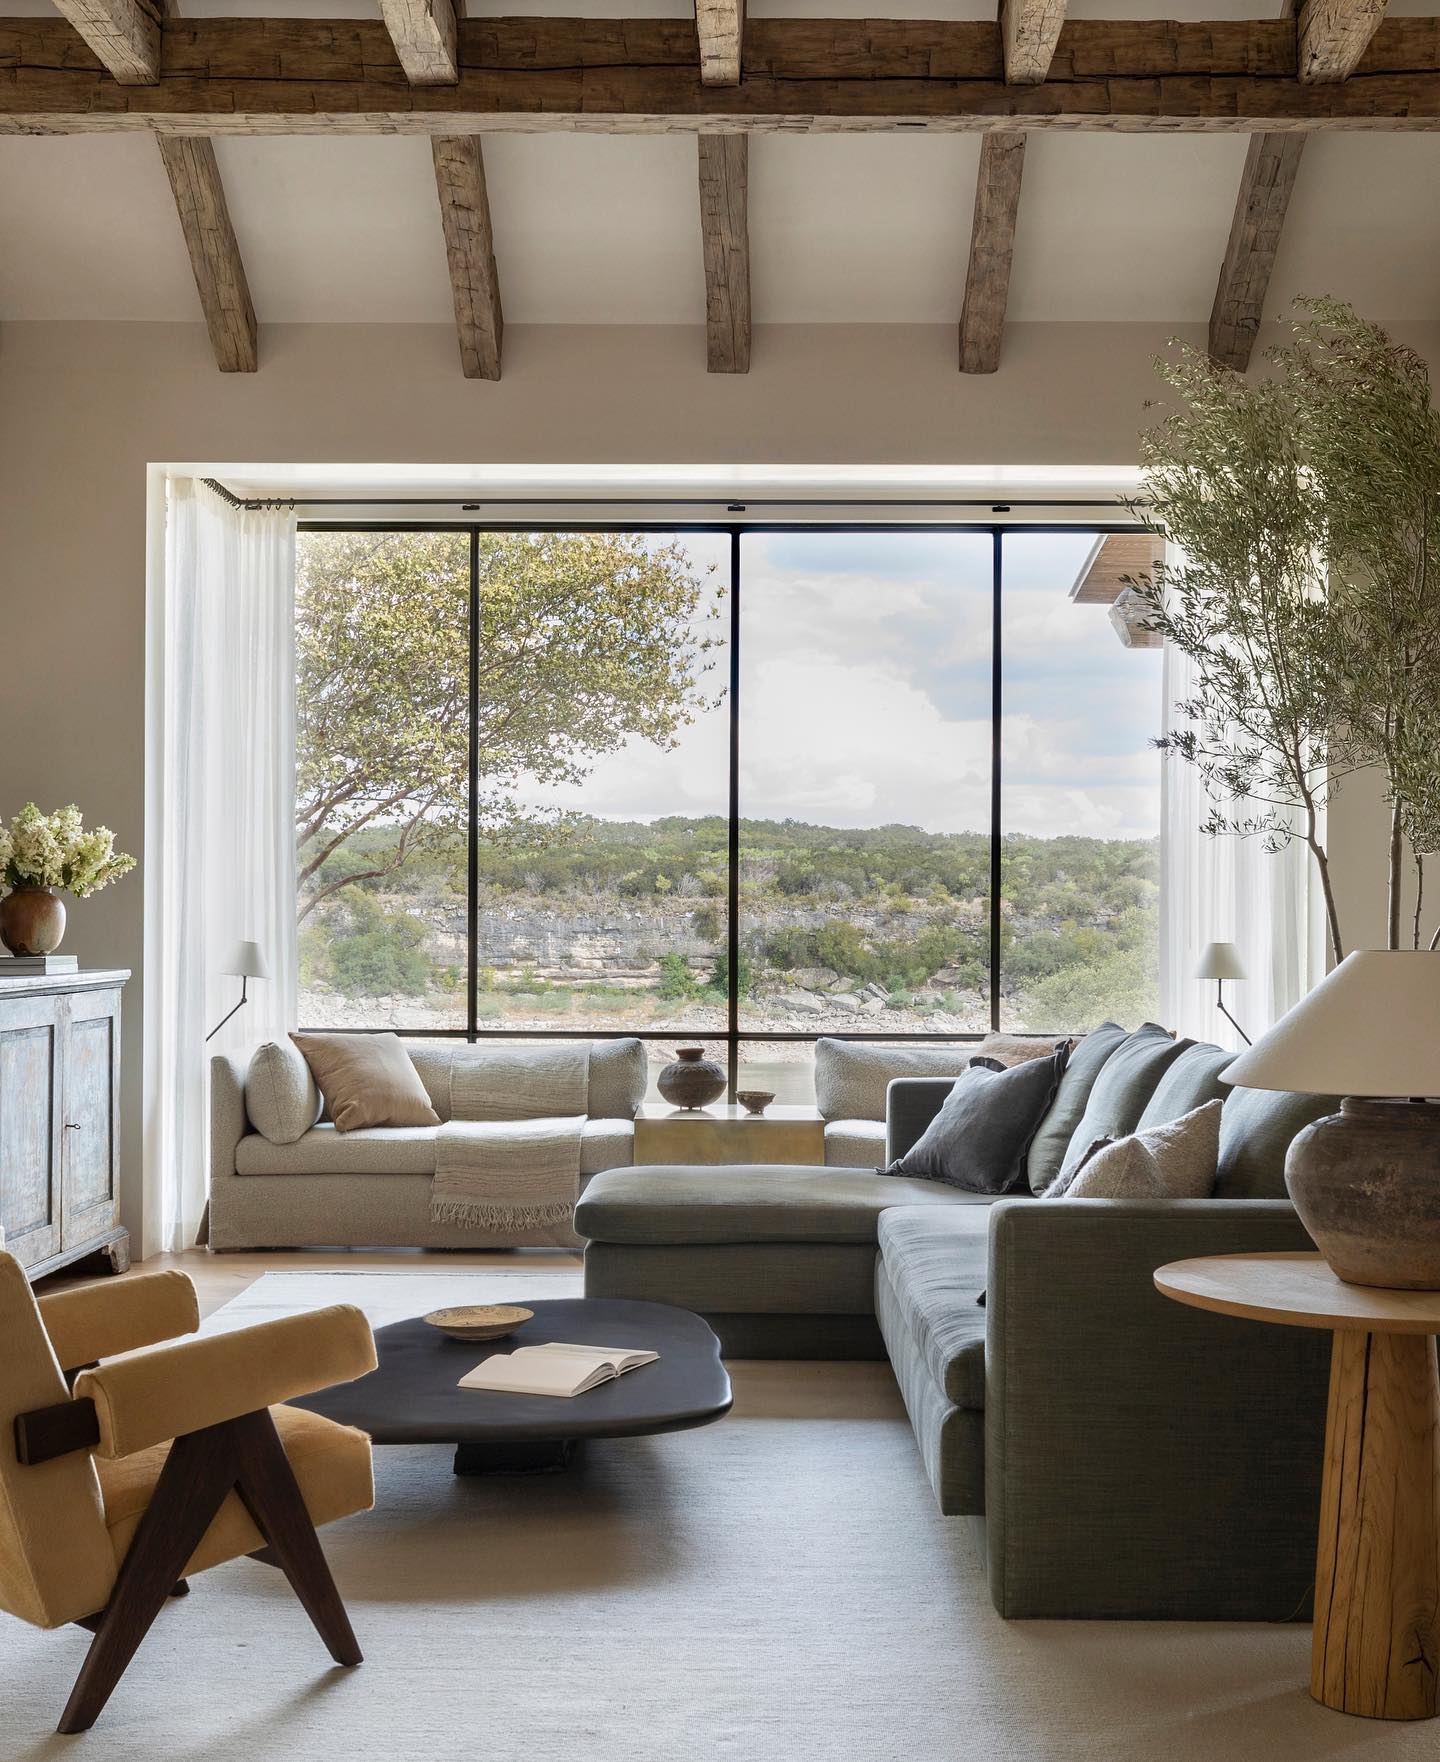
point(367, 1080)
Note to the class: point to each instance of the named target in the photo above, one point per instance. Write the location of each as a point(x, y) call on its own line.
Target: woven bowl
point(479, 1321)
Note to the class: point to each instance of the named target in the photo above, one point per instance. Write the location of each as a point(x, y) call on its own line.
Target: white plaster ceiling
point(605, 229)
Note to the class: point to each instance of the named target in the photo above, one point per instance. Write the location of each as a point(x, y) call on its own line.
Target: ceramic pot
point(1364, 1183)
point(32, 921)
point(693, 1080)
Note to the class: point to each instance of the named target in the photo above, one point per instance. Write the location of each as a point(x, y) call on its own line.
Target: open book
point(554, 1369)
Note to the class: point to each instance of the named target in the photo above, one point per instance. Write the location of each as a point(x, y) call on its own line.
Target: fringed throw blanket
point(509, 1156)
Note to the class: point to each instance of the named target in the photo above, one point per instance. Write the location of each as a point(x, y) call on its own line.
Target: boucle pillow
point(979, 1138)
point(1175, 1161)
point(280, 1094)
point(367, 1080)
point(1015, 1049)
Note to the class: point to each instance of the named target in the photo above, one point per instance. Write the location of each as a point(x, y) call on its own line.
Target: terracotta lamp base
point(1366, 1183)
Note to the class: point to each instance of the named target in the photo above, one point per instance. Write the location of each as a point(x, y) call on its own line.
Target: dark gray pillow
point(1087, 1059)
point(980, 1136)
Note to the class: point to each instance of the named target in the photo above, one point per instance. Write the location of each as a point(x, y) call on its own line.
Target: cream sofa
point(371, 1188)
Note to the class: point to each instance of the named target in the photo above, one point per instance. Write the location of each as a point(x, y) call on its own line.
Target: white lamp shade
point(1221, 960)
point(1372, 1027)
point(246, 961)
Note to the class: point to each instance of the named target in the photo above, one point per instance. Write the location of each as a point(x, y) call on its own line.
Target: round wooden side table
point(1376, 1638)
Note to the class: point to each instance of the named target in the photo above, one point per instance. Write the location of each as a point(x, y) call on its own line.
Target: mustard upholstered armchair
point(162, 1464)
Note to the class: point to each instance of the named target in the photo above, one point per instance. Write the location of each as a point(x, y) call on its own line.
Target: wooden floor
point(219, 1277)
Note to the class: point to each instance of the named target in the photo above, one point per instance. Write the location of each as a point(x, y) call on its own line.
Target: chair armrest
point(97, 1321)
point(910, 1105)
point(172, 1390)
point(1143, 1459)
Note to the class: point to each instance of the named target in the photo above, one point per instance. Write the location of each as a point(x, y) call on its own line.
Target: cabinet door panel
point(30, 1130)
point(91, 1072)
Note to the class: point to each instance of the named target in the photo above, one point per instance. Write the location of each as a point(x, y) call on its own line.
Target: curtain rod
point(730, 506)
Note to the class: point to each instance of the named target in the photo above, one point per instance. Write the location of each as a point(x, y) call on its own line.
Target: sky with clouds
point(865, 693)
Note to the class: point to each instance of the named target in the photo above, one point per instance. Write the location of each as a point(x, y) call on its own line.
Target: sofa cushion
point(1127, 1080)
point(981, 1135)
point(1256, 1127)
point(618, 1076)
point(937, 1262)
point(367, 1080)
point(854, 1144)
point(404, 1150)
point(663, 1203)
point(280, 1094)
point(851, 1078)
point(1190, 1082)
point(1174, 1160)
point(1052, 1139)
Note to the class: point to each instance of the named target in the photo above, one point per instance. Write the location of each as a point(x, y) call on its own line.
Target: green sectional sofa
point(1130, 1457)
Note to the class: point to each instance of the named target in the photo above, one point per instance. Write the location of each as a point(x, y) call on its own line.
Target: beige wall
point(84, 408)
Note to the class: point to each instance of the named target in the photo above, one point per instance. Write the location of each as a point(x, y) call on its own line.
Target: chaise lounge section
point(1130, 1458)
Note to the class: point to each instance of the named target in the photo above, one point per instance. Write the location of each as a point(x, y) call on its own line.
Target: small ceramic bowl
point(755, 1100)
point(479, 1321)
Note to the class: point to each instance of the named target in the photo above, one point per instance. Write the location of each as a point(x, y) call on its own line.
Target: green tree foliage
point(586, 640)
point(368, 952)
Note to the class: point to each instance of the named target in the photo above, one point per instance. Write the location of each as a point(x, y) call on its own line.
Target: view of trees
point(597, 653)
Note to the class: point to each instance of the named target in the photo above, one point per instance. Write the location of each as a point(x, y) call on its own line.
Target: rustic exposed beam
point(1029, 31)
point(424, 35)
point(725, 236)
point(1265, 187)
point(720, 25)
point(124, 34)
point(470, 248)
point(302, 76)
point(992, 246)
point(214, 254)
point(1334, 34)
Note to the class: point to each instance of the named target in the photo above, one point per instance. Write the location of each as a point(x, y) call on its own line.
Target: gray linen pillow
point(280, 1094)
point(1087, 1059)
point(979, 1138)
point(1176, 1160)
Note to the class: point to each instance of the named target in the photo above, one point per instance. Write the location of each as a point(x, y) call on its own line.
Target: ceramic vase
point(693, 1080)
point(32, 921)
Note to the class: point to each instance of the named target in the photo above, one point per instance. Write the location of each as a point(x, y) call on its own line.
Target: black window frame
point(734, 1036)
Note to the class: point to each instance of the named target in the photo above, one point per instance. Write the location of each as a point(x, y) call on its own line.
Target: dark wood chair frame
point(244, 1456)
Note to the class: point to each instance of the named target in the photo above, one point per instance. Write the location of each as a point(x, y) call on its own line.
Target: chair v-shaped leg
point(198, 1473)
point(266, 1482)
point(244, 1455)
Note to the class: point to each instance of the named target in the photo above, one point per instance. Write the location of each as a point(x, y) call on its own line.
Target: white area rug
point(777, 1586)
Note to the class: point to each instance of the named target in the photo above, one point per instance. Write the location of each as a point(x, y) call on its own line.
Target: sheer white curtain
point(220, 833)
point(1228, 890)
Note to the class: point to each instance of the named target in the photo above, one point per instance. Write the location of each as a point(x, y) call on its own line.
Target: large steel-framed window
point(736, 1033)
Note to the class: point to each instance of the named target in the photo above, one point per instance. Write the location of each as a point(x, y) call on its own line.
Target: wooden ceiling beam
point(214, 254)
point(720, 26)
point(1333, 35)
point(325, 76)
point(470, 249)
point(1029, 31)
point(992, 247)
point(124, 35)
point(424, 34)
point(725, 238)
point(1266, 185)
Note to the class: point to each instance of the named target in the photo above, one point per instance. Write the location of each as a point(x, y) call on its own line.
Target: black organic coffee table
point(413, 1397)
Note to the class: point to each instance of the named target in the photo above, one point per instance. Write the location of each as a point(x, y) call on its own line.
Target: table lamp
point(1366, 1180)
point(1221, 961)
point(244, 962)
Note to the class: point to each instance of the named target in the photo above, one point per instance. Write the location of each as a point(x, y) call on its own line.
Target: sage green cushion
point(667, 1204)
point(1256, 1127)
point(1087, 1059)
point(1190, 1082)
point(1129, 1077)
point(937, 1266)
